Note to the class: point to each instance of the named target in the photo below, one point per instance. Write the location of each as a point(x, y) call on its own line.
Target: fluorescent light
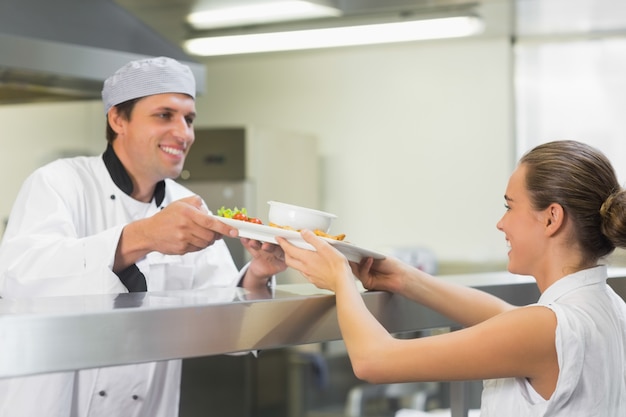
point(447, 27)
point(273, 11)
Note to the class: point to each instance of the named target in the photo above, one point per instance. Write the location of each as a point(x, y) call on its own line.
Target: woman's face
point(523, 227)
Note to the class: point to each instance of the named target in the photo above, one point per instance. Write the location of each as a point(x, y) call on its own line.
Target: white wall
point(416, 139)
point(34, 134)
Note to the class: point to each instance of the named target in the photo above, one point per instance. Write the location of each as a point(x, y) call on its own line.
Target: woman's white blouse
point(591, 349)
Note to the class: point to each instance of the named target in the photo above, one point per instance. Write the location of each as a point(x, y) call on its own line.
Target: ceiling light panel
point(448, 27)
point(260, 13)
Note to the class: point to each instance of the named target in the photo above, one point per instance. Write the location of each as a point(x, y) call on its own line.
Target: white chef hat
point(146, 77)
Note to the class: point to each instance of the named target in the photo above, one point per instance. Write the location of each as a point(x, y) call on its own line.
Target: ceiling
point(73, 45)
point(532, 17)
point(167, 17)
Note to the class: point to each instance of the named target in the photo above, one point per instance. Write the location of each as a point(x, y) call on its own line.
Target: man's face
point(153, 144)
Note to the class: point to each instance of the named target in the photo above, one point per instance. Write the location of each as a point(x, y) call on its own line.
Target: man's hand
point(181, 227)
point(267, 260)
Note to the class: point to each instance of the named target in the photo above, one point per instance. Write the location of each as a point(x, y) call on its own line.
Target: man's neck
point(124, 182)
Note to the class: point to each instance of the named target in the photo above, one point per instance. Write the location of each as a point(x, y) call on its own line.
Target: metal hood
point(64, 49)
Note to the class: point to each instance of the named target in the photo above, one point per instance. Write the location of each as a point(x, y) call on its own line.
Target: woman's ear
point(554, 218)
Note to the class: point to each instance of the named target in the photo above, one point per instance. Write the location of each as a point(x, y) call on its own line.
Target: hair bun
point(613, 218)
point(607, 206)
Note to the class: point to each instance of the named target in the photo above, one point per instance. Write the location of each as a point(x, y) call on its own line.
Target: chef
point(119, 223)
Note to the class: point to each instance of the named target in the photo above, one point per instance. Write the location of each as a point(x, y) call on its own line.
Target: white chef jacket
point(61, 240)
point(591, 350)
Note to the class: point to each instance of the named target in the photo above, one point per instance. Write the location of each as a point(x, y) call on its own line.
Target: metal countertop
point(53, 334)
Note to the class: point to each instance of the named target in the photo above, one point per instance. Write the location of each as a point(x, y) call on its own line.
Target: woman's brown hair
point(582, 180)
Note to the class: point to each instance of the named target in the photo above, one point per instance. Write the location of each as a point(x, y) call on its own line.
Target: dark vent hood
point(57, 50)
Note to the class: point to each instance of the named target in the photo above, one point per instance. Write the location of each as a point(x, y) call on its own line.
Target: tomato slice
point(240, 216)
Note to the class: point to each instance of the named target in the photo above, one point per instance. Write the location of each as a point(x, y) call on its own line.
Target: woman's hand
point(324, 267)
point(381, 274)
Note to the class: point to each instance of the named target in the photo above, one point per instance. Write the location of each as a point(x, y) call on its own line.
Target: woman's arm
point(506, 342)
point(464, 305)
point(517, 343)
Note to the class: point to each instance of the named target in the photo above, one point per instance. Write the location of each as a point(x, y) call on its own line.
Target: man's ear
point(116, 120)
point(554, 218)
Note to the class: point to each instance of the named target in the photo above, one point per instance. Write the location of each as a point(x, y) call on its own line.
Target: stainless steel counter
point(67, 333)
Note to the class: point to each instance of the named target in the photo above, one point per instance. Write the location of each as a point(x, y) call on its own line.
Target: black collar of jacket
point(120, 176)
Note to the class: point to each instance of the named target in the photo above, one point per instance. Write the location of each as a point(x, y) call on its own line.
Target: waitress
point(564, 356)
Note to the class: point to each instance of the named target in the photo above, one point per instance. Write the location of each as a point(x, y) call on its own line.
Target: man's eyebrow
point(173, 110)
point(165, 108)
point(507, 198)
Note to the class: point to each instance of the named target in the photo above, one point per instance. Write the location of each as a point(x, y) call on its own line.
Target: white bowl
point(298, 218)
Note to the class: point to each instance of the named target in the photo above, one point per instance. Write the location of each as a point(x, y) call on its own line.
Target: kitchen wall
point(34, 134)
point(416, 139)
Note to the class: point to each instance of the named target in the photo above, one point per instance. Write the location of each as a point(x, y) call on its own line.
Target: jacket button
point(135, 397)
point(102, 393)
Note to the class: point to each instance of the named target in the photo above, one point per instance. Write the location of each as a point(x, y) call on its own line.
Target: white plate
point(266, 233)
